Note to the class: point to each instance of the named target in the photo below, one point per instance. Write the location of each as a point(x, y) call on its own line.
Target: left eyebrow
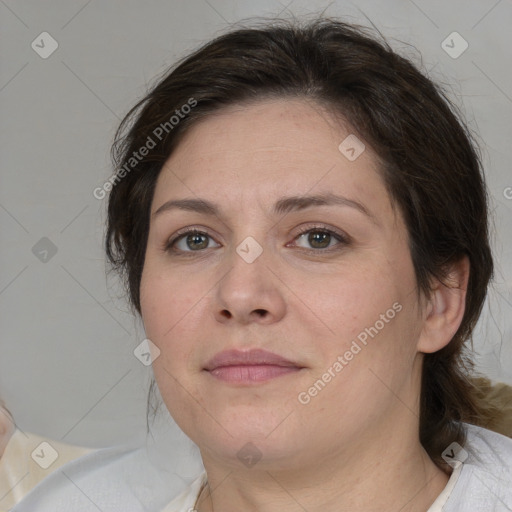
point(282, 206)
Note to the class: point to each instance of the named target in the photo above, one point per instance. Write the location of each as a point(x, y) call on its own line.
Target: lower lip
point(251, 373)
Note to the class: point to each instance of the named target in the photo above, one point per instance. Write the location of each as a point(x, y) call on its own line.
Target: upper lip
point(247, 358)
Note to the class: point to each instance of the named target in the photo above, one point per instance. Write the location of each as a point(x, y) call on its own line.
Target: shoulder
point(485, 480)
point(113, 479)
point(494, 449)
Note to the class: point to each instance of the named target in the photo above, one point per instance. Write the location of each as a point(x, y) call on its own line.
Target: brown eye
point(321, 238)
point(189, 241)
point(196, 241)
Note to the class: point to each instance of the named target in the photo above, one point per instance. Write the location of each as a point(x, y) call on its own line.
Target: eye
point(321, 238)
point(191, 240)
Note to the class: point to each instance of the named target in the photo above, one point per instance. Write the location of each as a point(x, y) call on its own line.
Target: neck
point(412, 489)
point(400, 477)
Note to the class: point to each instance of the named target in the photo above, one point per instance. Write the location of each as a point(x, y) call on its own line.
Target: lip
point(250, 366)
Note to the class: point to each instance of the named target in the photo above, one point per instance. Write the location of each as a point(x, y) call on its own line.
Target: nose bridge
point(250, 235)
point(248, 260)
point(249, 285)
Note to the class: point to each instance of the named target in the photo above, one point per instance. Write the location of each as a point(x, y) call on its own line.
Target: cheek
point(164, 314)
point(354, 299)
point(173, 313)
point(166, 300)
point(371, 312)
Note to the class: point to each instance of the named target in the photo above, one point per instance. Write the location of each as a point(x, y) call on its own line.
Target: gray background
point(67, 368)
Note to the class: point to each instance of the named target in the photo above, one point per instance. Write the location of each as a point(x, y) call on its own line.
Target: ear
point(445, 309)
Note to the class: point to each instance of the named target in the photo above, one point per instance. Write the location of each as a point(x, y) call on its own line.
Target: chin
point(245, 451)
point(252, 437)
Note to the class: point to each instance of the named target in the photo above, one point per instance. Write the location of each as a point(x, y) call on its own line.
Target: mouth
point(248, 367)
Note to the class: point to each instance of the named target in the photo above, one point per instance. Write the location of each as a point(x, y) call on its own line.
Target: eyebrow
point(283, 206)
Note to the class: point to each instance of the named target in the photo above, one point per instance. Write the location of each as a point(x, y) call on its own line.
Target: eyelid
point(320, 227)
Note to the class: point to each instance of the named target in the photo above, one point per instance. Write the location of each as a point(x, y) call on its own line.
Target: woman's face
point(339, 308)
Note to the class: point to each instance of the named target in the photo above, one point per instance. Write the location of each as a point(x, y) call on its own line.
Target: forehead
point(266, 148)
point(290, 129)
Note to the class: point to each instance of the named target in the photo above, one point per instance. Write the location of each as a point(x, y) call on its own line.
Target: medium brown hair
point(428, 162)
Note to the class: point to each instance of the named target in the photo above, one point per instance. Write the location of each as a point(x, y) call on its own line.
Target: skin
point(355, 445)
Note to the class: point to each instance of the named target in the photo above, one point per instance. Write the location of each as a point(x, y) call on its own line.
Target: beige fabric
point(22, 466)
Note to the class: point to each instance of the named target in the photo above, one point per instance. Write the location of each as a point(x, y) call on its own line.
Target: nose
point(249, 292)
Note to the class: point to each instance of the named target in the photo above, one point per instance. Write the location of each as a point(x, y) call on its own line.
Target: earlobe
point(445, 308)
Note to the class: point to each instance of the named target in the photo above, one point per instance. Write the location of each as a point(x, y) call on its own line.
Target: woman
point(301, 219)
point(312, 347)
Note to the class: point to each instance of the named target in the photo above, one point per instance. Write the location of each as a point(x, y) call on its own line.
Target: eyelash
point(342, 239)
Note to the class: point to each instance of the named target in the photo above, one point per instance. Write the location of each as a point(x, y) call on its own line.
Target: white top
point(115, 481)
point(186, 501)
